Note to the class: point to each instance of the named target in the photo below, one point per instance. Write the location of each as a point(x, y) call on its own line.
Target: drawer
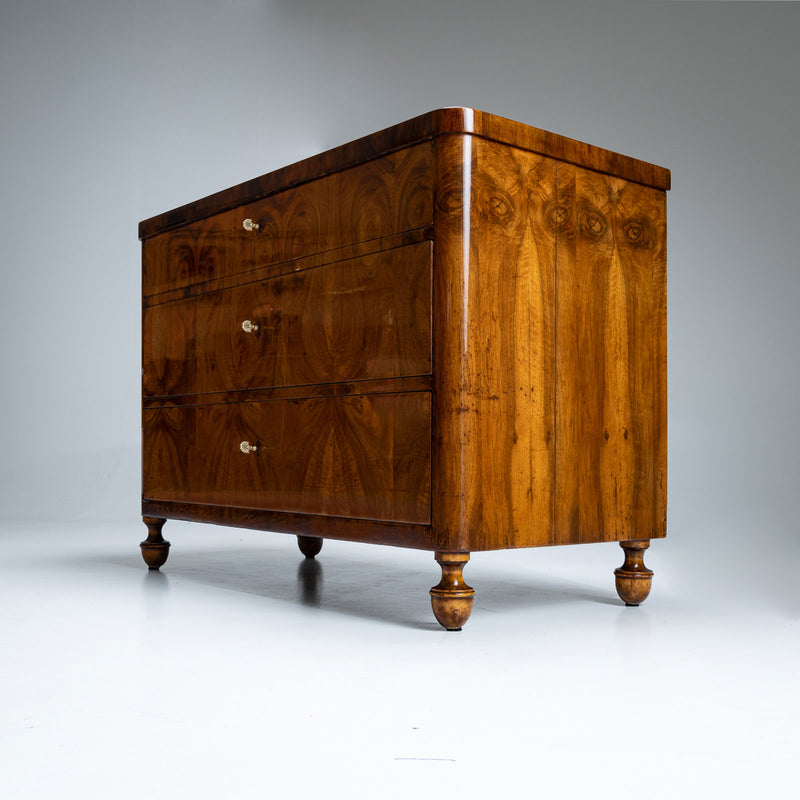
point(365, 457)
point(380, 198)
point(360, 319)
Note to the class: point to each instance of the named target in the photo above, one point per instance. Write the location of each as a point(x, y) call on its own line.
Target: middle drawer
point(359, 319)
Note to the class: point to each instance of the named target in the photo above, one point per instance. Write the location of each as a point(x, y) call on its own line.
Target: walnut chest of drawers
point(448, 335)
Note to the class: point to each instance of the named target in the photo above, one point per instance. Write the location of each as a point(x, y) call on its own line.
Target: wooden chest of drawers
point(448, 335)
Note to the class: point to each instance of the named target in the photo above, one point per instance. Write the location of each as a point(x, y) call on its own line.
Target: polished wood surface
point(633, 579)
point(417, 383)
point(364, 457)
point(493, 299)
point(348, 529)
point(155, 548)
point(310, 546)
point(611, 351)
point(440, 122)
point(452, 598)
point(371, 201)
point(550, 389)
point(565, 150)
point(345, 253)
point(448, 335)
point(361, 319)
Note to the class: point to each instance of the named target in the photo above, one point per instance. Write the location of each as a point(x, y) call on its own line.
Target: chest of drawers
point(448, 335)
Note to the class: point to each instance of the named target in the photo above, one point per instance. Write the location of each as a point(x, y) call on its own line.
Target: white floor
point(241, 670)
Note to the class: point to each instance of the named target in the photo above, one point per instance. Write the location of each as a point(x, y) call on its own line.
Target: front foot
point(155, 548)
point(633, 579)
point(452, 598)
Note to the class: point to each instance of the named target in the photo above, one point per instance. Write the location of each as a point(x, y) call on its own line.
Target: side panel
point(611, 411)
point(549, 352)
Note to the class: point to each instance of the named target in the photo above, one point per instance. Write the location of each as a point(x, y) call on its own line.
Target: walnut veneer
point(448, 335)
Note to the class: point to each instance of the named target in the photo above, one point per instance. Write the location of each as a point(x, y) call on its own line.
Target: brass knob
point(246, 447)
point(249, 225)
point(249, 327)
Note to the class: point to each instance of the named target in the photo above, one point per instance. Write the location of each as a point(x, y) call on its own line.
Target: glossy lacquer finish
point(358, 319)
point(374, 200)
point(550, 318)
point(366, 457)
point(448, 335)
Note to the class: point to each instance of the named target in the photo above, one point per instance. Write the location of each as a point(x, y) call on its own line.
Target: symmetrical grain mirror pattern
point(449, 335)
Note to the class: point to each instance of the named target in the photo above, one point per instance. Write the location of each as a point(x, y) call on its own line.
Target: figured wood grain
point(550, 382)
point(633, 579)
point(416, 383)
point(547, 411)
point(369, 531)
point(361, 319)
point(495, 407)
point(611, 359)
point(440, 122)
point(377, 199)
point(566, 150)
point(363, 457)
point(345, 253)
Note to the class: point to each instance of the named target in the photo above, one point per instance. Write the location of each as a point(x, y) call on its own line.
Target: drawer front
point(365, 318)
point(365, 457)
point(376, 199)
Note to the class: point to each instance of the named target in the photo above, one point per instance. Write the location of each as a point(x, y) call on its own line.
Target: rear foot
point(154, 548)
point(633, 579)
point(309, 545)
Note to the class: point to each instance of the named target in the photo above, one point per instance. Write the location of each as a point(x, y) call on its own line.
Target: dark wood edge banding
point(427, 126)
point(355, 530)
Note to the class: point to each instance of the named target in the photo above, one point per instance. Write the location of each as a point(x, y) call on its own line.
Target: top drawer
point(379, 198)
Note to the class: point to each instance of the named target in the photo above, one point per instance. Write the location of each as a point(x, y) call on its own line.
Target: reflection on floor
point(244, 670)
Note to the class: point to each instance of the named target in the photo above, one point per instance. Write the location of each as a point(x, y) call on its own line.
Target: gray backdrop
point(114, 111)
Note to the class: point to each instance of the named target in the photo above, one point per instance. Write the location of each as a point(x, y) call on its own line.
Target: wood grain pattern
point(155, 549)
point(362, 319)
point(345, 253)
point(494, 454)
point(633, 579)
point(507, 391)
point(370, 201)
point(611, 359)
point(440, 122)
point(452, 597)
point(549, 315)
point(369, 531)
point(417, 383)
point(363, 457)
point(568, 151)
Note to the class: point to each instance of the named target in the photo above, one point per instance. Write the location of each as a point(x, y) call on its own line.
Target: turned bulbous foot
point(155, 548)
point(633, 578)
point(451, 598)
point(309, 545)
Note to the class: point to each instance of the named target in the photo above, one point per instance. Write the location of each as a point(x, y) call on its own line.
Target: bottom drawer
point(365, 456)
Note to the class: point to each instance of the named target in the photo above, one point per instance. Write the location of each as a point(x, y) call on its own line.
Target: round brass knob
point(249, 225)
point(249, 327)
point(246, 447)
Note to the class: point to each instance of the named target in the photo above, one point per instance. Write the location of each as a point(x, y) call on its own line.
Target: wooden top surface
point(440, 122)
